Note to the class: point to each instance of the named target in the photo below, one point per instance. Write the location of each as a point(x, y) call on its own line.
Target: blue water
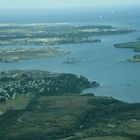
point(97, 61)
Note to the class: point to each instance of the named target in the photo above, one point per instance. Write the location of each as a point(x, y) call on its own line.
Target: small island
point(135, 58)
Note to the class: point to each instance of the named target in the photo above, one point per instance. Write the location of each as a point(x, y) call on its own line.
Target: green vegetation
point(131, 45)
point(14, 83)
point(72, 117)
point(60, 112)
point(20, 104)
point(107, 138)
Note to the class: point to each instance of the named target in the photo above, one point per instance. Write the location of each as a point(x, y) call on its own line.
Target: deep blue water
point(97, 61)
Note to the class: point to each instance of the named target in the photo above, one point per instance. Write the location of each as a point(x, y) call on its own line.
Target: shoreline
point(19, 54)
point(135, 46)
point(38, 82)
point(56, 35)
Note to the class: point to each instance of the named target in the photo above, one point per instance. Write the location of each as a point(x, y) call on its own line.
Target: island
point(135, 58)
point(54, 34)
point(8, 55)
point(41, 105)
point(131, 45)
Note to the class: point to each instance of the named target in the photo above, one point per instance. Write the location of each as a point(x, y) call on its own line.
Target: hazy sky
point(63, 3)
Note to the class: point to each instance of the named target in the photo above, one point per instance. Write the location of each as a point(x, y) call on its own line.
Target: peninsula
point(135, 46)
point(54, 34)
point(23, 53)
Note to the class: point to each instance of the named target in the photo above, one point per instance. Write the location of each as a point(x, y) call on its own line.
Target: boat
point(70, 61)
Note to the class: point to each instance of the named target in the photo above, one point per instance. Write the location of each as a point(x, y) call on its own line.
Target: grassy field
point(20, 103)
point(72, 117)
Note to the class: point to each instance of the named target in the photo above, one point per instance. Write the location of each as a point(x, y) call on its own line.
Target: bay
point(97, 61)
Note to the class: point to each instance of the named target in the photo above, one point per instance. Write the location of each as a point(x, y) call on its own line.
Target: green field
point(71, 117)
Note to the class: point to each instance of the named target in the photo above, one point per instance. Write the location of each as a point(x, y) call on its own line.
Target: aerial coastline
point(69, 70)
point(37, 104)
point(135, 46)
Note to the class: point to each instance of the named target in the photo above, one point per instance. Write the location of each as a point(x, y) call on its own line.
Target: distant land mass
point(55, 34)
point(47, 34)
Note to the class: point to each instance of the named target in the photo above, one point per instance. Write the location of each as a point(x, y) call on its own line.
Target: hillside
point(71, 117)
point(59, 111)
